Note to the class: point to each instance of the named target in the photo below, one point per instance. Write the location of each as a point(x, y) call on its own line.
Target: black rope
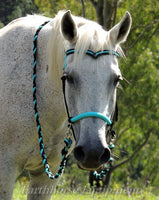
point(63, 78)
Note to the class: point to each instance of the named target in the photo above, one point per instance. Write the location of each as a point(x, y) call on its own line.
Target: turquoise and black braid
point(99, 176)
point(68, 142)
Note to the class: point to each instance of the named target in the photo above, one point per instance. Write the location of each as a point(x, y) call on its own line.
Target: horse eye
point(117, 79)
point(69, 79)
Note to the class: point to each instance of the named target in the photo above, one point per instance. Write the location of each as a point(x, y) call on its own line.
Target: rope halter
point(86, 114)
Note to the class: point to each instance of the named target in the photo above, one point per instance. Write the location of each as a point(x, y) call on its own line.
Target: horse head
point(92, 75)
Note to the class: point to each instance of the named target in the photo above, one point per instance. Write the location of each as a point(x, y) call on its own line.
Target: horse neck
point(50, 95)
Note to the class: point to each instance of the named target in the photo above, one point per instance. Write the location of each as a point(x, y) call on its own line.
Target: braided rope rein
point(99, 176)
point(67, 141)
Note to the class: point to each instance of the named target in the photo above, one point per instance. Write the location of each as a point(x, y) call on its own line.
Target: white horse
point(90, 86)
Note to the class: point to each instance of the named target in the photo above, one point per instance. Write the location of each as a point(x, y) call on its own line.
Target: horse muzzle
point(91, 154)
point(89, 158)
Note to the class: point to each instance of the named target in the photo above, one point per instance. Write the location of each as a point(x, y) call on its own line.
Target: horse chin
point(87, 168)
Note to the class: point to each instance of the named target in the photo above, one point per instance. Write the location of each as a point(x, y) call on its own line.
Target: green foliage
point(1, 24)
point(51, 7)
point(12, 9)
point(138, 101)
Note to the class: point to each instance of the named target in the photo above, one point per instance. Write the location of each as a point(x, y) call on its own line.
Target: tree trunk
point(99, 11)
point(83, 8)
point(106, 12)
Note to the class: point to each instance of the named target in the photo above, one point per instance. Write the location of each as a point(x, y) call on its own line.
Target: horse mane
point(91, 36)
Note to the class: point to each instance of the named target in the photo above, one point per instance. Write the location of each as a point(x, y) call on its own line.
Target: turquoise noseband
point(91, 114)
point(86, 114)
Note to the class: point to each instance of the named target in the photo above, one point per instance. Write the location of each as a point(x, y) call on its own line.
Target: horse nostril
point(106, 156)
point(79, 153)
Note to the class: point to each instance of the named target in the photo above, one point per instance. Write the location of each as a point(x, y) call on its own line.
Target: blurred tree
point(106, 11)
point(138, 101)
point(12, 9)
point(77, 7)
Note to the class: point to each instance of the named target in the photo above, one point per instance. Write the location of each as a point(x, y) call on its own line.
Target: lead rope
point(99, 176)
point(67, 141)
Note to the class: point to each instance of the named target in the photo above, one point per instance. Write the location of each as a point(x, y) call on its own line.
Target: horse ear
point(119, 32)
point(68, 27)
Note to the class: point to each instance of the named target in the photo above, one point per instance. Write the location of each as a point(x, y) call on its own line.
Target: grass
point(77, 196)
point(20, 193)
